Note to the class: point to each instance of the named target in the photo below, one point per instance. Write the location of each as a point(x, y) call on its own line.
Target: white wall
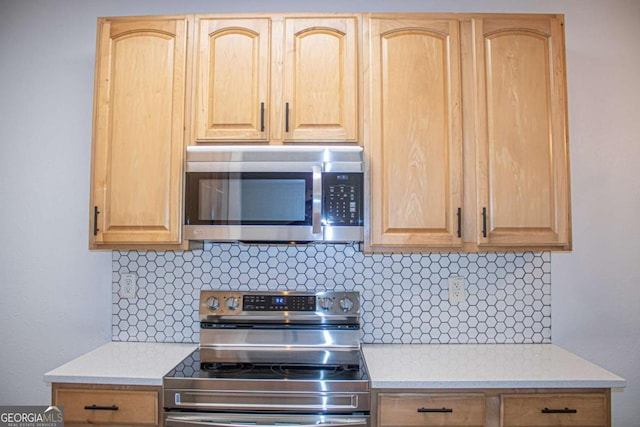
point(596, 288)
point(55, 294)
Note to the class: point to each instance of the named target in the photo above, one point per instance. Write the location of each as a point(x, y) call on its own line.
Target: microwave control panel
point(343, 199)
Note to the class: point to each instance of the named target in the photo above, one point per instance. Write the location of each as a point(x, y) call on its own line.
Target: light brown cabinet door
point(93, 404)
point(320, 81)
point(431, 410)
point(415, 143)
point(232, 91)
point(555, 410)
point(522, 147)
point(138, 131)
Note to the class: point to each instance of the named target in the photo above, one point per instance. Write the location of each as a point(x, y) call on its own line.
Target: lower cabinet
point(423, 409)
point(108, 405)
point(563, 409)
point(493, 408)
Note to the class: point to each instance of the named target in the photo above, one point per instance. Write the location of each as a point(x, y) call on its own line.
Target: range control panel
point(261, 302)
point(343, 198)
point(277, 304)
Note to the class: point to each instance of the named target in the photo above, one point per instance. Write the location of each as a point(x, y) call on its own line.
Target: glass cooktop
point(191, 367)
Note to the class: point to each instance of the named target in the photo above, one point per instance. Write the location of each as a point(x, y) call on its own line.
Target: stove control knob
point(326, 303)
point(232, 303)
point(213, 303)
point(346, 304)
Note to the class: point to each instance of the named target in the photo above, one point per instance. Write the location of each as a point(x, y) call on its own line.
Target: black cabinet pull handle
point(484, 222)
point(559, 411)
point(95, 407)
point(440, 410)
point(286, 117)
point(262, 117)
point(459, 222)
point(95, 220)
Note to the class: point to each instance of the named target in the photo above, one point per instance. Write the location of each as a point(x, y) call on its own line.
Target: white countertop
point(425, 366)
point(432, 366)
point(131, 363)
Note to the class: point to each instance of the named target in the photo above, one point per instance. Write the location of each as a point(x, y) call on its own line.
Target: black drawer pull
point(441, 410)
point(559, 411)
point(101, 408)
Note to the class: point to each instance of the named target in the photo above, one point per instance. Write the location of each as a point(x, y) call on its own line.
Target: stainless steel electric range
point(272, 358)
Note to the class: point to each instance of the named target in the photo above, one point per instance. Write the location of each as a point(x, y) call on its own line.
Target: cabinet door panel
point(233, 79)
point(129, 407)
point(320, 79)
point(522, 143)
point(138, 134)
point(554, 410)
point(416, 140)
point(431, 410)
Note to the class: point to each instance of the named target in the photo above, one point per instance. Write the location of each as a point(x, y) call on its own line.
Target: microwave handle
point(316, 205)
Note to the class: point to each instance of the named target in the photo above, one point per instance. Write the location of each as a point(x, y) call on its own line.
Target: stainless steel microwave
point(274, 193)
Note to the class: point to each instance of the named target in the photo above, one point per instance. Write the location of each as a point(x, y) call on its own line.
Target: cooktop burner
point(191, 367)
point(301, 371)
point(227, 368)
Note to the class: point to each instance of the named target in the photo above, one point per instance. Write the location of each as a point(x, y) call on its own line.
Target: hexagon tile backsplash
point(404, 296)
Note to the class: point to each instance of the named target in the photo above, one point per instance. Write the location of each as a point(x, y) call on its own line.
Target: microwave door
point(254, 206)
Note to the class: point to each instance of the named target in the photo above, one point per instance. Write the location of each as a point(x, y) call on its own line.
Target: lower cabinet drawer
point(108, 407)
point(427, 410)
point(557, 410)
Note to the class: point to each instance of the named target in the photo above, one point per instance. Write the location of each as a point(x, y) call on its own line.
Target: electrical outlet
point(128, 285)
point(457, 290)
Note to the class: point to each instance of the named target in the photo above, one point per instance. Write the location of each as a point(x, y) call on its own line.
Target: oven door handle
point(255, 401)
point(203, 421)
point(185, 421)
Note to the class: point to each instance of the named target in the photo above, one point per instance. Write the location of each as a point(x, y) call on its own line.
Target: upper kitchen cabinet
point(467, 144)
point(232, 79)
point(277, 78)
point(320, 79)
point(521, 132)
point(138, 132)
point(415, 142)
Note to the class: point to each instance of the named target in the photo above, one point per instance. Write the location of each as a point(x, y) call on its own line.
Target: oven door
point(184, 419)
point(250, 205)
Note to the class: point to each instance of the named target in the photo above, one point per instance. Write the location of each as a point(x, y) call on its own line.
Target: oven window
point(248, 198)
